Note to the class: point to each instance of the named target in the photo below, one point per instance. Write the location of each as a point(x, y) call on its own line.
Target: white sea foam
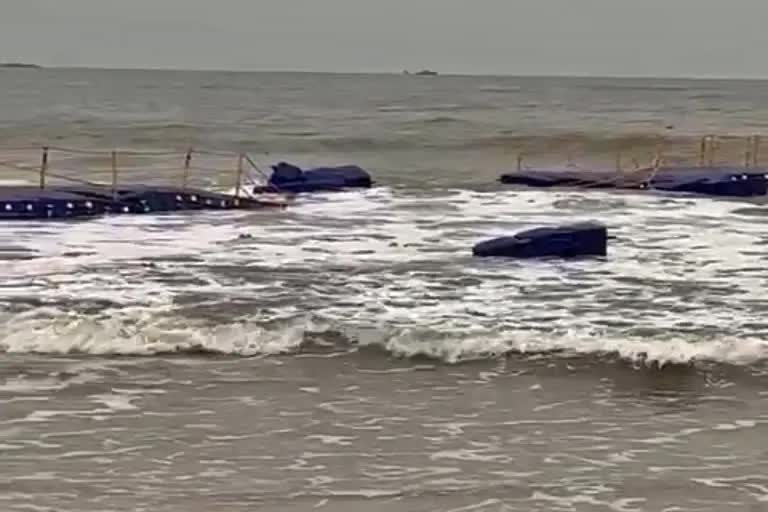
point(393, 269)
point(249, 338)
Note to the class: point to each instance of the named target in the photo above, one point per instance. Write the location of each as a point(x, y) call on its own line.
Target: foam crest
point(143, 333)
point(660, 351)
point(148, 334)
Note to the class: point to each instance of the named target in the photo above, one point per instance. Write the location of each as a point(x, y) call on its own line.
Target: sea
point(347, 352)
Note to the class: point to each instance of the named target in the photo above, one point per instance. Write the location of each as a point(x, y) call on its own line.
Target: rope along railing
point(114, 162)
point(49, 166)
point(746, 150)
point(17, 167)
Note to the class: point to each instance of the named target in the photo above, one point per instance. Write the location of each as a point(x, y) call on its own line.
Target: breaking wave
point(142, 333)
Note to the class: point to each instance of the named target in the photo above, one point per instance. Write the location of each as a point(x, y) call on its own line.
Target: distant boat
point(423, 72)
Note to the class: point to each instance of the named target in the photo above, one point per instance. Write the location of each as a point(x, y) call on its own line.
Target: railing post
point(114, 174)
point(519, 161)
point(239, 174)
point(187, 163)
point(755, 151)
point(658, 155)
point(43, 167)
point(711, 156)
point(618, 161)
point(703, 150)
point(748, 153)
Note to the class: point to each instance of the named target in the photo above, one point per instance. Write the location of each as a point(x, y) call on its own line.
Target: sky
point(659, 38)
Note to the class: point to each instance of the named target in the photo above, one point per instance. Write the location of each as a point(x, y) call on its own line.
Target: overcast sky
point(722, 38)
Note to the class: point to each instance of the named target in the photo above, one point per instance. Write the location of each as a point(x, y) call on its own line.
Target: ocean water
point(347, 352)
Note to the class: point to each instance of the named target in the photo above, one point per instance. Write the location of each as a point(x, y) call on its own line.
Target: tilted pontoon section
point(289, 178)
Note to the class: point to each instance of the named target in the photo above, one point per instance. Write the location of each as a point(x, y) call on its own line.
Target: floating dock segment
point(569, 177)
point(567, 241)
point(711, 181)
point(707, 178)
point(78, 198)
point(290, 178)
point(24, 203)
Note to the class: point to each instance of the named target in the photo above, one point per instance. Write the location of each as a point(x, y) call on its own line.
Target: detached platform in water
point(712, 181)
point(289, 178)
point(26, 203)
point(566, 241)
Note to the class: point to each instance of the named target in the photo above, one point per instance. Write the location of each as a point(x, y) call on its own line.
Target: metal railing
point(49, 168)
point(708, 149)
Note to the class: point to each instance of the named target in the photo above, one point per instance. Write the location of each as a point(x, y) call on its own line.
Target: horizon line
point(35, 66)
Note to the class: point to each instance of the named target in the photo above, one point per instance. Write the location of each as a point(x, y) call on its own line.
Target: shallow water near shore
point(348, 352)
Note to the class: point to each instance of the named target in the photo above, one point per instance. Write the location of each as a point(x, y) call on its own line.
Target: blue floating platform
point(567, 241)
point(709, 181)
point(290, 178)
point(21, 203)
point(578, 178)
point(144, 199)
point(713, 181)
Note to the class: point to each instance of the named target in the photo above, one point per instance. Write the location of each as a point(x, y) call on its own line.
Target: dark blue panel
point(568, 241)
point(711, 181)
point(715, 181)
point(87, 201)
point(289, 178)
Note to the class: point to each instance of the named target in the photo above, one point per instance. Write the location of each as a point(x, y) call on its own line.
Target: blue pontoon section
point(714, 181)
point(32, 203)
point(567, 241)
point(89, 201)
point(289, 178)
point(711, 181)
point(146, 198)
point(569, 177)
